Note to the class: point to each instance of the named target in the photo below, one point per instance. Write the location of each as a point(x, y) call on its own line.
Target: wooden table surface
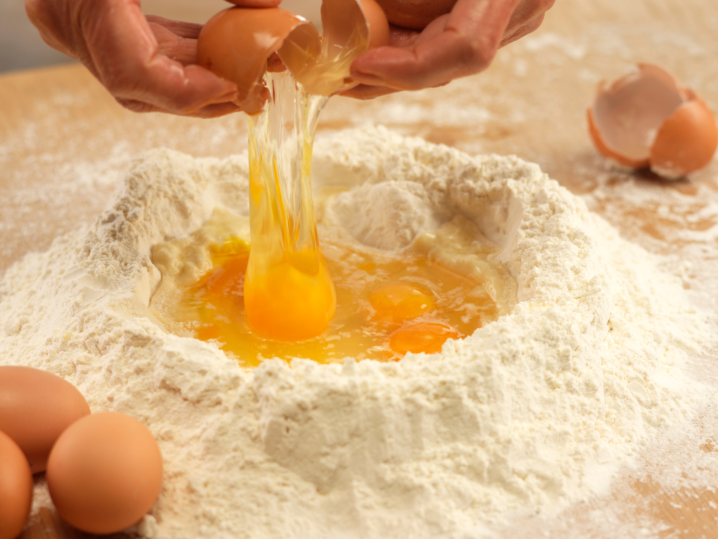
point(64, 145)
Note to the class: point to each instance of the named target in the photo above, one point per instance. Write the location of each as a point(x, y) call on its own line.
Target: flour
point(530, 413)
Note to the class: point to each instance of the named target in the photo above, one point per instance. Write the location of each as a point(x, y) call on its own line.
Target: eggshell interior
point(628, 114)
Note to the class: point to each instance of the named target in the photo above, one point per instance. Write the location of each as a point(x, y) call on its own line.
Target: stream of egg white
point(288, 292)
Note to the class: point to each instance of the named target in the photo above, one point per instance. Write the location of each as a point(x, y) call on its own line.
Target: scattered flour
point(529, 413)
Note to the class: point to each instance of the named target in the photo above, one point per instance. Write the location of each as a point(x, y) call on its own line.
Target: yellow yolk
point(426, 337)
point(400, 301)
point(289, 302)
point(386, 306)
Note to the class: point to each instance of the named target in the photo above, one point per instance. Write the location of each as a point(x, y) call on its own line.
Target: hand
point(458, 44)
point(147, 63)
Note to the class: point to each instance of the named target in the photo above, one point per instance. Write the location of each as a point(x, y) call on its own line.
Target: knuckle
point(476, 54)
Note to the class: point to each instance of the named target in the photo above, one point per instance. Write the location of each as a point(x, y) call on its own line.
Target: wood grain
point(58, 127)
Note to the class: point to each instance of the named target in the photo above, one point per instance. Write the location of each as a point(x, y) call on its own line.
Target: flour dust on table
point(531, 412)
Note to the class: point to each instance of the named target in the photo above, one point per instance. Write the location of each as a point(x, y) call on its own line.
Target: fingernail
point(367, 78)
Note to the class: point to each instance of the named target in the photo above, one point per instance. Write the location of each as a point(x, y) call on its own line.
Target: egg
point(648, 119)
point(415, 14)
point(104, 473)
point(237, 43)
point(398, 302)
point(427, 337)
point(15, 488)
point(35, 408)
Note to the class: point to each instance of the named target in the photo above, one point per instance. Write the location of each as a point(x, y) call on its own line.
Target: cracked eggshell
point(648, 119)
point(351, 27)
point(415, 14)
point(237, 43)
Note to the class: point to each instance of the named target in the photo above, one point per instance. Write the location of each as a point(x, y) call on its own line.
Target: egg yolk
point(283, 296)
point(386, 305)
point(426, 337)
point(400, 301)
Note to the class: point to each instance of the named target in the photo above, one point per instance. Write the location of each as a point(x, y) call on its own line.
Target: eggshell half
point(35, 408)
point(648, 119)
point(105, 473)
point(351, 27)
point(15, 488)
point(236, 43)
point(416, 14)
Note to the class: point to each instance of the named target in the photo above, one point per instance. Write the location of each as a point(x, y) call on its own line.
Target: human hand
point(458, 44)
point(147, 63)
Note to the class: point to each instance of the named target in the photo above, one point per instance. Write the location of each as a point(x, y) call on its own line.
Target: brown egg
point(236, 44)
point(15, 488)
point(104, 473)
point(415, 14)
point(648, 119)
point(35, 407)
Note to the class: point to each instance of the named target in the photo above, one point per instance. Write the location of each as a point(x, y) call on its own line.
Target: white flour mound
point(527, 414)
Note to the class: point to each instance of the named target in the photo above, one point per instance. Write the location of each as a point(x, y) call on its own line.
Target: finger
point(522, 31)
point(256, 3)
point(130, 66)
point(466, 45)
point(526, 11)
point(177, 48)
point(187, 30)
point(210, 111)
point(365, 92)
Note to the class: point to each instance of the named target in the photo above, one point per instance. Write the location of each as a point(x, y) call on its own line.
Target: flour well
point(529, 413)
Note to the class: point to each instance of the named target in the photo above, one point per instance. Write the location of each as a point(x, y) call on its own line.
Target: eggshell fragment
point(416, 14)
point(104, 473)
point(648, 119)
point(35, 408)
point(237, 42)
point(15, 488)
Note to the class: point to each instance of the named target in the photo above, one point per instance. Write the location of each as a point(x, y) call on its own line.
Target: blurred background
point(22, 48)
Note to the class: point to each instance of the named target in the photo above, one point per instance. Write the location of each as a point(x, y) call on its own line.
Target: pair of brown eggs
point(104, 471)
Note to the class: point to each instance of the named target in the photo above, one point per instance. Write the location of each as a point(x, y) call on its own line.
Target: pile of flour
point(527, 414)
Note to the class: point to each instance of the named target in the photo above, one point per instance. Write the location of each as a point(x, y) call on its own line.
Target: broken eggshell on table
point(648, 119)
point(238, 43)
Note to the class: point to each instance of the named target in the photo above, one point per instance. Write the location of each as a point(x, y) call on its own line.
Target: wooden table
point(64, 145)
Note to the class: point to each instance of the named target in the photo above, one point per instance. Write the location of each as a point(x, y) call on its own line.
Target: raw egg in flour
point(35, 408)
point(15, 488)
point(237, 43)
point(387, 304)
point(104, 473)
point(648, 119)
